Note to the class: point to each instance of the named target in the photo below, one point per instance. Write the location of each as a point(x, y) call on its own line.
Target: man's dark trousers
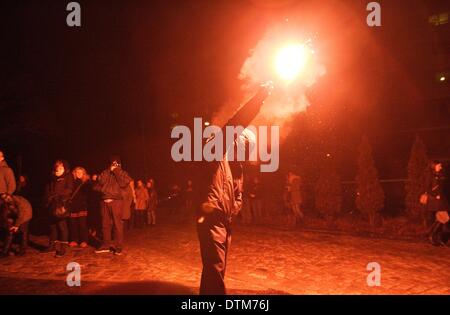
point(214, 234)
point(112, 218)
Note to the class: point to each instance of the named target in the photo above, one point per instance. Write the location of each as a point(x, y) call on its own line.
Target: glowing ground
point(166, 260)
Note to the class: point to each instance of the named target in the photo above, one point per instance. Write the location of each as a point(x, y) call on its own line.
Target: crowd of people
point(82, 206)
point(254, 207)
point(83, 210)
point(79, 206)
point(102, 206)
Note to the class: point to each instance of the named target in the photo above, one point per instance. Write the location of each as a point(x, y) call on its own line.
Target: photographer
point(111, 182)
point(16, 213)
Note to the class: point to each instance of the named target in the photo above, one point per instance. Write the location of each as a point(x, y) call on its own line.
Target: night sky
point(117, 84)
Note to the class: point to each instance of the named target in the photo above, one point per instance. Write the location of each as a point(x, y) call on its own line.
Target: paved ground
point(166, 260)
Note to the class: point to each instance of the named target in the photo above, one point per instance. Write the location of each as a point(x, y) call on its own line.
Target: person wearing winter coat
point(58, 193)
point(16, 212)
point(111, 183)
point(436, 205)
point(142, 200)
point(255, 200)
point(293, 196)
point(223, 200)
point(152, 202)
point(7, 179)
point(79, 209)
point(129, 197)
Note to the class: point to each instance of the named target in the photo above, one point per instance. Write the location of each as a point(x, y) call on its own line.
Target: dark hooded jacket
point(60, 189)
point(437, 199)
point(80, 196)
point(112, 183)
point(7, 179)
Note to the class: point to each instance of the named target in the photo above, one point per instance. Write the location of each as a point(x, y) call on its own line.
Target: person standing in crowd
point(246, 212)
point(59, 191)
point(129, 196)
point(23, 187)
point(223, 200)
point(7, 179)
point(94, 214)
point(437, 205)
point(189, 195)
point(79, 209)
point(255, 202)
point(16, 213)
point(111, 183)
point(152, 202)
point(142, 199)
point(175, 200)
point(293, 196)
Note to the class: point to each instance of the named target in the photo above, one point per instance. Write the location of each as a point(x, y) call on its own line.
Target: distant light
point(206, 123)
point(442, 79)
point(328, 154)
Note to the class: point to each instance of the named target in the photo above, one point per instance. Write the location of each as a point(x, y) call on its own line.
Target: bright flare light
point(291, 60)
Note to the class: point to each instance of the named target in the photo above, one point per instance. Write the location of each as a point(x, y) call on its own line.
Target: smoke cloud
point(287, 98)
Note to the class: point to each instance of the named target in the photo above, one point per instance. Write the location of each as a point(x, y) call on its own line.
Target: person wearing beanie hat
point(111, 183)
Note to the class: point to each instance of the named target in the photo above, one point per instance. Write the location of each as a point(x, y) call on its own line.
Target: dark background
point(117, 84)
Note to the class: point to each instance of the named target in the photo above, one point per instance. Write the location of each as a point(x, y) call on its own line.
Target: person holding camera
point(16, 213)
point(111, 183)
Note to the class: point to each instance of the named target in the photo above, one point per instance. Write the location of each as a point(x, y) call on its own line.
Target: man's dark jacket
point(7, 179)
point(59, 190)
point(112, 183)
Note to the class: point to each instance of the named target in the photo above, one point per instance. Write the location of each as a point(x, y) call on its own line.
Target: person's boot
point(7, 246)
point(50, 248)
point(23, 245)
point(64, 247)
point(21, 252)
point(434, 237)
point(439, 236)
point(61, 249)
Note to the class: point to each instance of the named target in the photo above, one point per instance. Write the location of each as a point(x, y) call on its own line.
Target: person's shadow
point(50, 286)
point(144, 288)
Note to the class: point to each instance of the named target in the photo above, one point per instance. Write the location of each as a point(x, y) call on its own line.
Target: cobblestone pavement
point(166, 260)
